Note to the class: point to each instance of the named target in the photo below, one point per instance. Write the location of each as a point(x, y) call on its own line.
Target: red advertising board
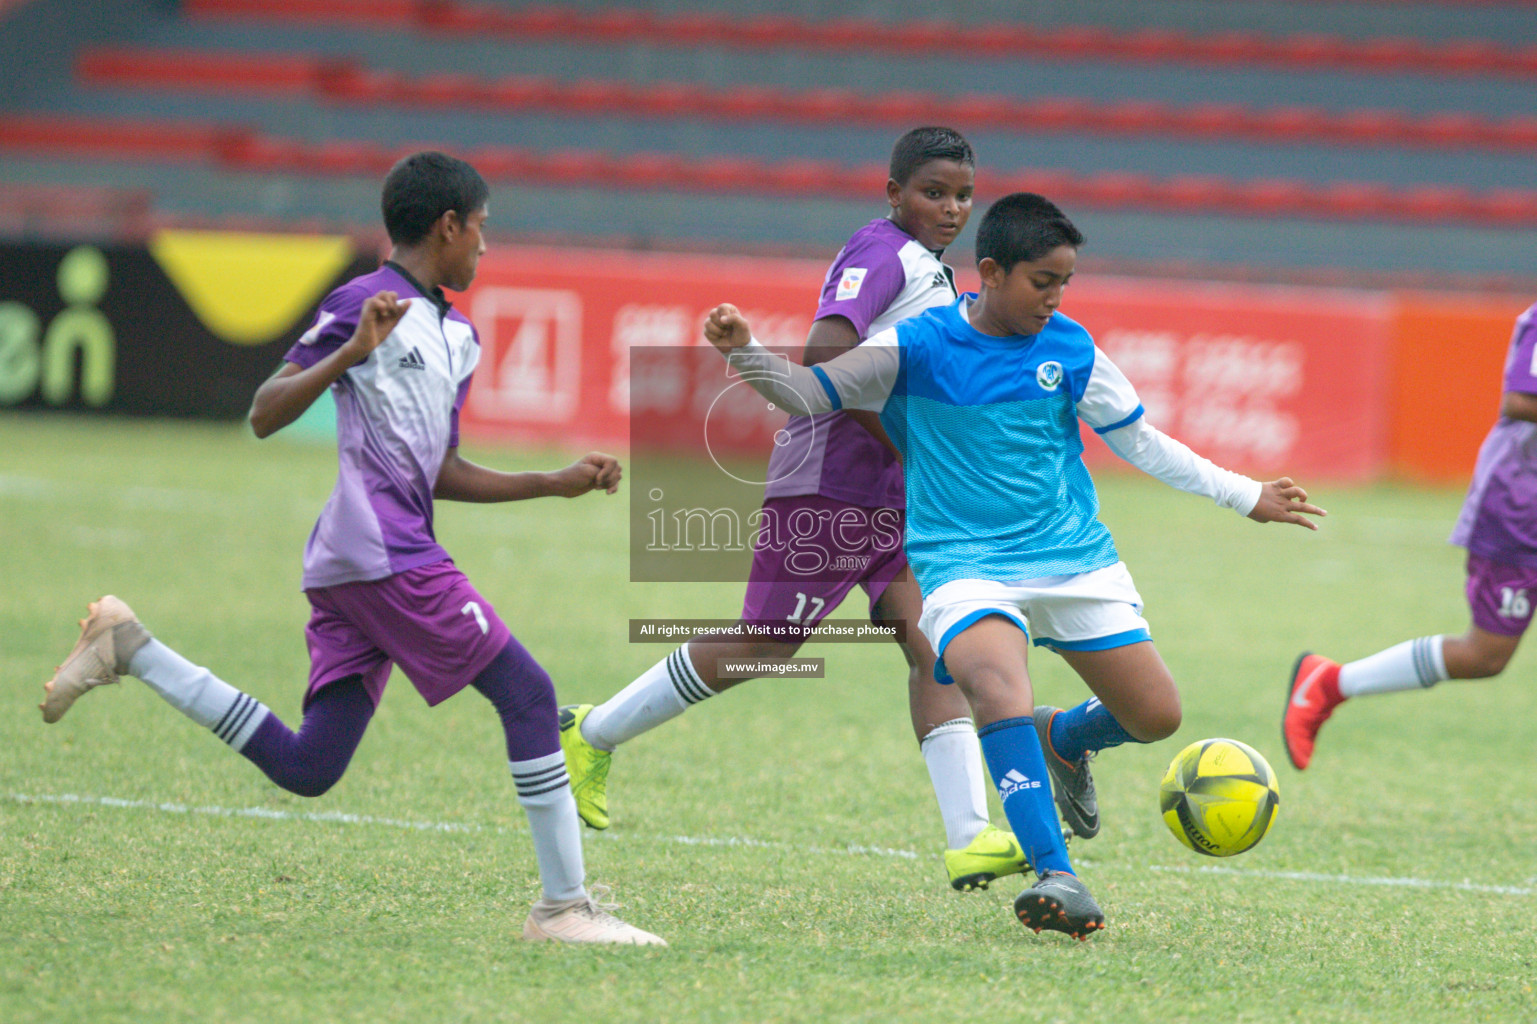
point(557, 325)
point(1264, 380)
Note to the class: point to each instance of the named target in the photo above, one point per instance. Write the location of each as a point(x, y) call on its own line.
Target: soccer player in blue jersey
point(382, 591)
point(983, 399)
point(834, 471)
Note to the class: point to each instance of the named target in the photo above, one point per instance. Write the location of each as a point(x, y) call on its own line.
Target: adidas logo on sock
point(1014, 781)
point(413, 360)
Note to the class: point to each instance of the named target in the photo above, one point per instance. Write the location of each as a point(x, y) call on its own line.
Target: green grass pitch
point(782, 837)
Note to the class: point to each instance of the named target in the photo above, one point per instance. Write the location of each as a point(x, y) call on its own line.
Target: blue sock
point(1085, 729)
point(1014, 756)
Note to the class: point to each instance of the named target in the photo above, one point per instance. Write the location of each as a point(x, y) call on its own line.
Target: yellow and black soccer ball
point(1219, 797)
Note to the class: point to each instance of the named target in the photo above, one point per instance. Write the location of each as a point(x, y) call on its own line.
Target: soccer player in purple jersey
point(398, 359)
point(1498, 526)
point(839, 471)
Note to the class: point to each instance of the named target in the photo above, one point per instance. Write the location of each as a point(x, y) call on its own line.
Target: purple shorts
point(429, 621)
point(1500, 595)
point(817, 550)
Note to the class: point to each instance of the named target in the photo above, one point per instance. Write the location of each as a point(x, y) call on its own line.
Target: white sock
point(663, 692)
point(198, 693)
point(544, 790)
point(954, 757)
point(1406, 666)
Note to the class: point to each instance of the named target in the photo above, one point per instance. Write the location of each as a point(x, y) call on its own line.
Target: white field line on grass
point(342, 818)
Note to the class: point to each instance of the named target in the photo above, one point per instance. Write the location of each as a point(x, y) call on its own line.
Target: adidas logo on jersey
point(413, 360)
point(1015, 781)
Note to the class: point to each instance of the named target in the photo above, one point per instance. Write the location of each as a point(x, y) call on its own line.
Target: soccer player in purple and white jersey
point(835, 470)
point(1498, 526)
point(398, 359)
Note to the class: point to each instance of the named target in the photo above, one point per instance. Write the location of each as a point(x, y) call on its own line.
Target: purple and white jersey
point(1499, 517)
point(881, 277)
point(397, 414)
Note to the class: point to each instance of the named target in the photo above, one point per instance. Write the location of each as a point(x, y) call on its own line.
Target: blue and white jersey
point(988, 430)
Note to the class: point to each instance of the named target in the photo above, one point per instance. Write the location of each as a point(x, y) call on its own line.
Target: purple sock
point(524, 697)
point(1085, 729)
point(310, 761)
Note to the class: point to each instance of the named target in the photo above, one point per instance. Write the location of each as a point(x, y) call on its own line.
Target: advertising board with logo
point(188, 325)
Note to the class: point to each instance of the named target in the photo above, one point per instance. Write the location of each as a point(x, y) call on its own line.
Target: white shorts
point(1088, 611)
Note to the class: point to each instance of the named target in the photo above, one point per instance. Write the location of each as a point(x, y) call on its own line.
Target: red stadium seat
point(575, 167)
point(1135, 117)
point(1116, 189)
point(443, 90)
point(975, 111)
point(593, 96)
point(520, 92)
point(1354, 200)
point(1435, 202)
point(670, 99)
point(728, 174)
point(905, 108)
point(506, 163)
point(655, 171)
point(1508, 208)
point(1212, 119)
point(1195, 192)
point(1287, 123)
point(1269, 197)
point(637, 23)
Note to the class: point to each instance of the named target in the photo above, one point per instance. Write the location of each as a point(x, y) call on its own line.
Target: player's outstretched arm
point(462, 480)
point(727, 329)
point(1282, 501)
point(285, 395)
point(861, 378)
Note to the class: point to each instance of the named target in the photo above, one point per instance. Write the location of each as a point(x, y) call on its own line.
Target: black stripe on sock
point(219, 725)
point(690, 688)
point(241, 718)
point(536, 777)
point(564, 781)
point(226, 727)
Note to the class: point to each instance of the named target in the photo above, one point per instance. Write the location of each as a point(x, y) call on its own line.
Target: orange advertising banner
point(1446, 392)
point(1263, 380)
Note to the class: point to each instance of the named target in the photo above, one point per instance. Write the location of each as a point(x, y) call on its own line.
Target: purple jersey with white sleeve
point(881, 277)
point(397, 414)
point(1499, 517)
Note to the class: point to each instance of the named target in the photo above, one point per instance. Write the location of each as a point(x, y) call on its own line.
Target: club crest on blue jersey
point(1049, 375)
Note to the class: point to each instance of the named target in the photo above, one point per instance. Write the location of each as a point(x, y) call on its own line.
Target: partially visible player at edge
point(1499, 528)
point(832, 466)
point(983, 399)
point(398, 359)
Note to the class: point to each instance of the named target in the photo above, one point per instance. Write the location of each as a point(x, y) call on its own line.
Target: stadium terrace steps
point(55, 210)
point(248, 149)
point(322, 77)
point(1304, 52)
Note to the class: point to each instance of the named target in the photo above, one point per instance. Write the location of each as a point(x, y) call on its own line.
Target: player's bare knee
point(1150, 725)
point(1486, 664)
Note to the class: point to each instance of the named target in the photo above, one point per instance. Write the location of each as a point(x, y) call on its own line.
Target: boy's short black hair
point(424, 186)
point(1022, 227)
point(921, 145)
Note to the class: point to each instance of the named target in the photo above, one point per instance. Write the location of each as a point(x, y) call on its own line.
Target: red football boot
point(1313, 695)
